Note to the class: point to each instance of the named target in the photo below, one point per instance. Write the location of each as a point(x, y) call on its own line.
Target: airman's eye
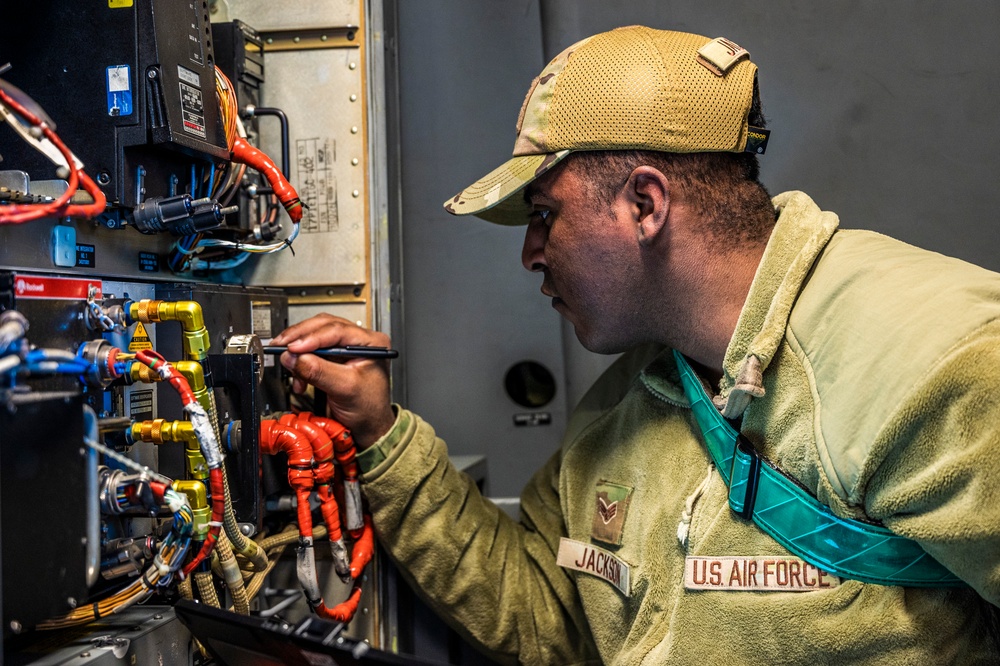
point(541, 215)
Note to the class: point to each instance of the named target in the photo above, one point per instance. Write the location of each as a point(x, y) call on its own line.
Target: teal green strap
point(798, 521)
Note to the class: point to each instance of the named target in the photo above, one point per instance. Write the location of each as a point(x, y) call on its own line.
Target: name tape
point(760, 574)
point(598, 562)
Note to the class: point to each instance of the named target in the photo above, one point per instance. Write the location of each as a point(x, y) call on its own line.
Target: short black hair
point(723, 187)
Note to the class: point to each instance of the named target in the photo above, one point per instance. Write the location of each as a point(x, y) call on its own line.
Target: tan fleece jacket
point(878, 363)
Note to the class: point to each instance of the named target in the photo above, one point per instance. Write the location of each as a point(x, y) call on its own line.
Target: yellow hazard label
point(117, 4)
point(140, 339)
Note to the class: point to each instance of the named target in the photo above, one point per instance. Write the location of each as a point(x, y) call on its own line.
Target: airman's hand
point(357, 390)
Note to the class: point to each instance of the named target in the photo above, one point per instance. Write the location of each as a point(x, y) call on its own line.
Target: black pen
point(342, 352)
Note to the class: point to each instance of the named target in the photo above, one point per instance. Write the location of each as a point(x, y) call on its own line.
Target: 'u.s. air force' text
point(763, 574)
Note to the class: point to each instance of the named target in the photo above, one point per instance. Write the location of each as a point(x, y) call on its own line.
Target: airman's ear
point(646, 196)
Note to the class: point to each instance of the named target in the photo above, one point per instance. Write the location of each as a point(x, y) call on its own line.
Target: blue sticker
point(119, 90)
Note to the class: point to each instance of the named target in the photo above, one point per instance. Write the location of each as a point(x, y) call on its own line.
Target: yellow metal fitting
point(138, 372)
point(195, 336)
point(197, 496)
point(195, 376)
point(159, 431)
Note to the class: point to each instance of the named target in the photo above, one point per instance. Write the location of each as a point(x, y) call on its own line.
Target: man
point(854, 520)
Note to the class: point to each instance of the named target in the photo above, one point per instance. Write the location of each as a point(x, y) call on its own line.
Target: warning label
point(192, 110)
point(140, 339)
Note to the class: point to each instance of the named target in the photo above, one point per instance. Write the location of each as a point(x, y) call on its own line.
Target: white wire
point(128, 462)
point(10, 362)
point(275, 246)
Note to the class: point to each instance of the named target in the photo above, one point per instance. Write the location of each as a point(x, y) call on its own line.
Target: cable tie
point(162, 567)
point(214, 523)
point(146, 583)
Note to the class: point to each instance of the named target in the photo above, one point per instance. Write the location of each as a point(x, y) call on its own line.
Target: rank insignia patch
point(610, 509)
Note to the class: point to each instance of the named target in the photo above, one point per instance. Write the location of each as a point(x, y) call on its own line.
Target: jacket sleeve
point(935, 475)
point(495, 581)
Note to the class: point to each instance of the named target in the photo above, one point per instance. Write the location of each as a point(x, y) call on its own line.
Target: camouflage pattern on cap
point(632, 88)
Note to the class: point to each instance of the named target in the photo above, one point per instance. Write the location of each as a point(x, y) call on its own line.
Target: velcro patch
point(610, 511)
point(596, 561)
point(755, 574)
point(720, 55)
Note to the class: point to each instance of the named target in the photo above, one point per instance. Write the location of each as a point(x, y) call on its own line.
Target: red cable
point(322, 454)
point(155, 361)
point(20, 213)
point(364, 548)
point(343, 443)
point(218, 509)
point(244, 153)
point(276, 437)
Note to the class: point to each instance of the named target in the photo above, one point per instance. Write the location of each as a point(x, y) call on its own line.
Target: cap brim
point(496, 196)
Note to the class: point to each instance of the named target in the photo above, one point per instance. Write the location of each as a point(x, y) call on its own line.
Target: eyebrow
point(531, 190)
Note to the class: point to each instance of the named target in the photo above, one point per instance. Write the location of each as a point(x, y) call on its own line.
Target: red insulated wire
point(322, 445)
point(363, 550)
point(304, 513)
point(275, 437)
point(322, 453)
point(155, 361)
point(218, 509)
point(20, 213)
point(244, 153)
point(343, 443)
point(342, 612)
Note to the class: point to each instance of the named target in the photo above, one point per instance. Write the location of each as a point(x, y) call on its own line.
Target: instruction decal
point(140, 339)
point(119, 80)
point(317, 186)
point(192, 102)
point(140, 405)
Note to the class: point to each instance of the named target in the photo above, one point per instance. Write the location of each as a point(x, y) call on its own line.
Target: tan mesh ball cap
point(630, 88)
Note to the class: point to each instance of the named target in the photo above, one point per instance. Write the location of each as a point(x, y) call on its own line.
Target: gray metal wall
point(884, 112)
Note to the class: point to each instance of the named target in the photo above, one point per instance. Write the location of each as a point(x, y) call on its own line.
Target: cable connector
point(179, 215)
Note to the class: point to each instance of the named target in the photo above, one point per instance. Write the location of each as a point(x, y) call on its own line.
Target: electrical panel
point(151, 451)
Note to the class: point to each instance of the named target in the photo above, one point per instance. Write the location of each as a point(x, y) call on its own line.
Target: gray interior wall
point(884, 112)
point(471, 311)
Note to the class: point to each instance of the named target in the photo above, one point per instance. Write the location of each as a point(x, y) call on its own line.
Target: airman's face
point(586, 252)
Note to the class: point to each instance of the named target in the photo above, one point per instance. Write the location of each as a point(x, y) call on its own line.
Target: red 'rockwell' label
point(37, 286)
point(760, 574)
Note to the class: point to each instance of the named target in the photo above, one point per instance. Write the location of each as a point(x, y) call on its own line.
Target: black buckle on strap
point(753, 476)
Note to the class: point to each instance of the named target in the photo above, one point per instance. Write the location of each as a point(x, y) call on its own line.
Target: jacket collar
point(799, 236)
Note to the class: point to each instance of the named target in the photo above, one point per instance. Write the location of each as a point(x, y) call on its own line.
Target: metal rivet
point(355, 193)
point(71, 602)
point(303, 292)
point(15, 626)
point(296, 39)
point(354, 161)
point(270, 40)
point(353, 65)
point(354, 130)
point(329, 292)
point(354, 98)
point(323, 38)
